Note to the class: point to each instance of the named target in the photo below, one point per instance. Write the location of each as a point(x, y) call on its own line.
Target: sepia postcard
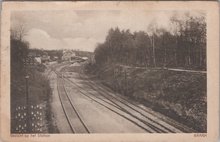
point(107, 71)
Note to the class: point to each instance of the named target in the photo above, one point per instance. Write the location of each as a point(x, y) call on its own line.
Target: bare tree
point(19, 31)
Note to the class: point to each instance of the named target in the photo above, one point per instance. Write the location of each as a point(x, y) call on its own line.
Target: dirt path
point(165, 68)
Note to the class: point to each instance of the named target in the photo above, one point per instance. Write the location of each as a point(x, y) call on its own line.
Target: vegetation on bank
point(179, 95)
point(39, 90)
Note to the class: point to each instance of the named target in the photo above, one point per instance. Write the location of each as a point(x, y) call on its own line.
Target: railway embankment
point(39, 92)
point(178, 95)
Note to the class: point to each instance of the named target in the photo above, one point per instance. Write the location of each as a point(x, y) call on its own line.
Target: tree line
point(181, 46)
point(19, 51)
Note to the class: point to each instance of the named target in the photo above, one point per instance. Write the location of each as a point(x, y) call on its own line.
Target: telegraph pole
point(27, 104)
point(27, 96)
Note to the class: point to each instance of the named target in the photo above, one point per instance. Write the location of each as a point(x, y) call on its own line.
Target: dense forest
point(181, 46)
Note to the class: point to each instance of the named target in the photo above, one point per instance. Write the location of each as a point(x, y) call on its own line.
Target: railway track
point(126, 109)
point(106, 102)
point(126, 105)
point(109, 106)
point(77, 125)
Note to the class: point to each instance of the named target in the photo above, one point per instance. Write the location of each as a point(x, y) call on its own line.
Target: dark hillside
point(39, 92)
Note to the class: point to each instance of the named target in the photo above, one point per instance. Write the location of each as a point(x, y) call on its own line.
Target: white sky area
point(82, 29)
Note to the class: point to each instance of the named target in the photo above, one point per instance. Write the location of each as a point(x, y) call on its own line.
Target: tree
point(101, 54)
point(19, 32)
point(182, 46)
point(190, 35)
point(19, 50)
point(143, 45)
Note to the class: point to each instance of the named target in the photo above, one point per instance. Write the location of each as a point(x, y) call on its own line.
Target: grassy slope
point(180, 95)
point(39, 92)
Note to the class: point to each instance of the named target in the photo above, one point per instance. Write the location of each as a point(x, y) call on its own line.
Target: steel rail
point(95, 100)
point(170, 122)
point(77, 113)
point(112, 97)
point(127, 112)
point(65, 113)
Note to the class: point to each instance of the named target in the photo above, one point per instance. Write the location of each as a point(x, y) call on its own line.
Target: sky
point(82, 29)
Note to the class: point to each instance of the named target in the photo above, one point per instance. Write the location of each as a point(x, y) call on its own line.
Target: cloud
point(41, 39)
point(37, 33)
point(83, 29)
point(56, 23)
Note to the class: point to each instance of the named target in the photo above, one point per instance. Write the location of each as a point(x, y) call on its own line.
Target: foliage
point(184, 47)
point(38, 85)
point(51, 53)
point(19, 51)
point(179, 95)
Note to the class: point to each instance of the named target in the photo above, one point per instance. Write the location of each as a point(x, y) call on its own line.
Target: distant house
point(55, 58)
point(38, 60)
point(33, 58)
point(67, 55)
point(85, 58)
